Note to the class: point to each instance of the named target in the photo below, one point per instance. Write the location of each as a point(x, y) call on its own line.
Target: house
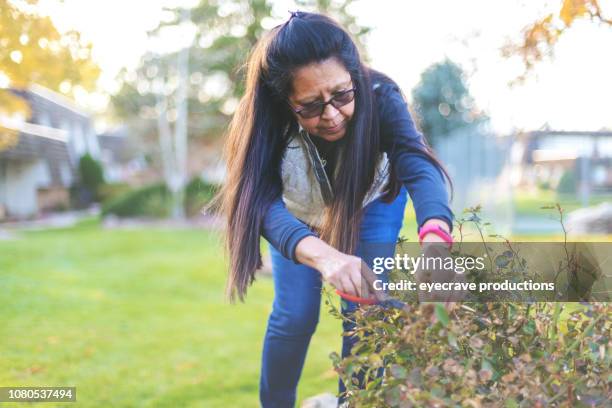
point(122, 160)
point(37, 173)
point(544, 156)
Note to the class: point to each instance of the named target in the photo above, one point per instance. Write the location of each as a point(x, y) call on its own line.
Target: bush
point(477, 354)
point(197, 194)
point(155, 200)
point(567, 183)
point(91, 175)
point(544, 185)
point(480, 354)
point(110, 191)
point(150, 201)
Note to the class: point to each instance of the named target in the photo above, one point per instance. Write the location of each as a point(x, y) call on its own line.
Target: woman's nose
point(329, 112)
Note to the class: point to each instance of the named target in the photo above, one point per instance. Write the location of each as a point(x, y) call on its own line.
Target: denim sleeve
point(283, 230)
point(405, 145)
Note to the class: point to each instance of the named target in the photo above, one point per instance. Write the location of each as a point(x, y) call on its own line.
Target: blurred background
point(112, 117)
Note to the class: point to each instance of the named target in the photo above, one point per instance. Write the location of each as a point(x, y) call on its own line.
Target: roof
point(598, 133)
point(46, 135)
point(37, 130)
point(54, 152)
point(58, 99)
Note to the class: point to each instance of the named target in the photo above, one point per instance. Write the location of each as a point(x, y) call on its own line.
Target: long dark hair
point(258, 134)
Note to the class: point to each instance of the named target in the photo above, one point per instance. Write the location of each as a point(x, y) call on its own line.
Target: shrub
point(567, 183)
point(91, 175)
point(473, 354)
point(544, 185)
point(480, 354)
point(197, 194)
point(150, 201)
point(110, 191)
point(155, 200)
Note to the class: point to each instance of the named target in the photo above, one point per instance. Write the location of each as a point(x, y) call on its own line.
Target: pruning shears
point(387, 302)
point(381, 298)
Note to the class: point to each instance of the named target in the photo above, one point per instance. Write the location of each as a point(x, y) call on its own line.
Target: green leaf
point(392, 396)
point(442, 314)
point(452, 340)
point(399, 372)
point(372, 385)
point(415, 377)
point(529, 328)
point(375, 359)
point(335, 357)
point(511, 403)
point(502, 261)
point(350, 368)
point(486, 365)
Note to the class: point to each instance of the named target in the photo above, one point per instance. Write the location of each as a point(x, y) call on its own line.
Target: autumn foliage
point(480, 354)
point(540, 37)
point(33, 51)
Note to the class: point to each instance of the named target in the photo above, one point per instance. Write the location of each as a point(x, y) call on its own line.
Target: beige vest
point(302, 190)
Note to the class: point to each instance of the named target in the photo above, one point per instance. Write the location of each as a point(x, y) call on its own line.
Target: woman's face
point(319, 82)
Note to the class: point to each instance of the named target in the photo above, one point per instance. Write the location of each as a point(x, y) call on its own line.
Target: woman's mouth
point(334, 129)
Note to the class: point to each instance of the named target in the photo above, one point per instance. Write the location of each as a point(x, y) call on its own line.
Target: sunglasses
point(312, 110)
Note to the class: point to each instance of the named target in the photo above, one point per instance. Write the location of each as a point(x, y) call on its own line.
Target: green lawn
point(137, 318)
point(530, 203)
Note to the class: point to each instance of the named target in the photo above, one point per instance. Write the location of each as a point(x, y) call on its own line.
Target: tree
point(220, 36)
point(443, 102)
point(224, 34)
point(540, 37)
point(195, 89)
point(340, 10)
point(33, 51)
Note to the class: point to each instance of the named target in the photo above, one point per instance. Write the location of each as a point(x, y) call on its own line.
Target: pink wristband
point(439, 231)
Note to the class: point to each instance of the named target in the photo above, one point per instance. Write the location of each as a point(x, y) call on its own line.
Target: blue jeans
point(297, 300)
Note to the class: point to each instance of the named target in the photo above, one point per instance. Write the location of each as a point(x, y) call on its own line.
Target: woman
point(319, 155)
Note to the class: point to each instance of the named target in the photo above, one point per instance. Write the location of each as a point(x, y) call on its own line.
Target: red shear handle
point(356, 299)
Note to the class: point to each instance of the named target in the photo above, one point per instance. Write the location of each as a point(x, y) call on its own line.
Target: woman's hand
point(435, 248)
point(342, 271)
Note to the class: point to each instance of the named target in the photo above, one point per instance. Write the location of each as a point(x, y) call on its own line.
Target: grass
point(137, 318)
point(529, 203)
point(525, 204)
point(409, 229)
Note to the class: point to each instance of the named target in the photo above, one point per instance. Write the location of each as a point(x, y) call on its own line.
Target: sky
point(569, 92)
